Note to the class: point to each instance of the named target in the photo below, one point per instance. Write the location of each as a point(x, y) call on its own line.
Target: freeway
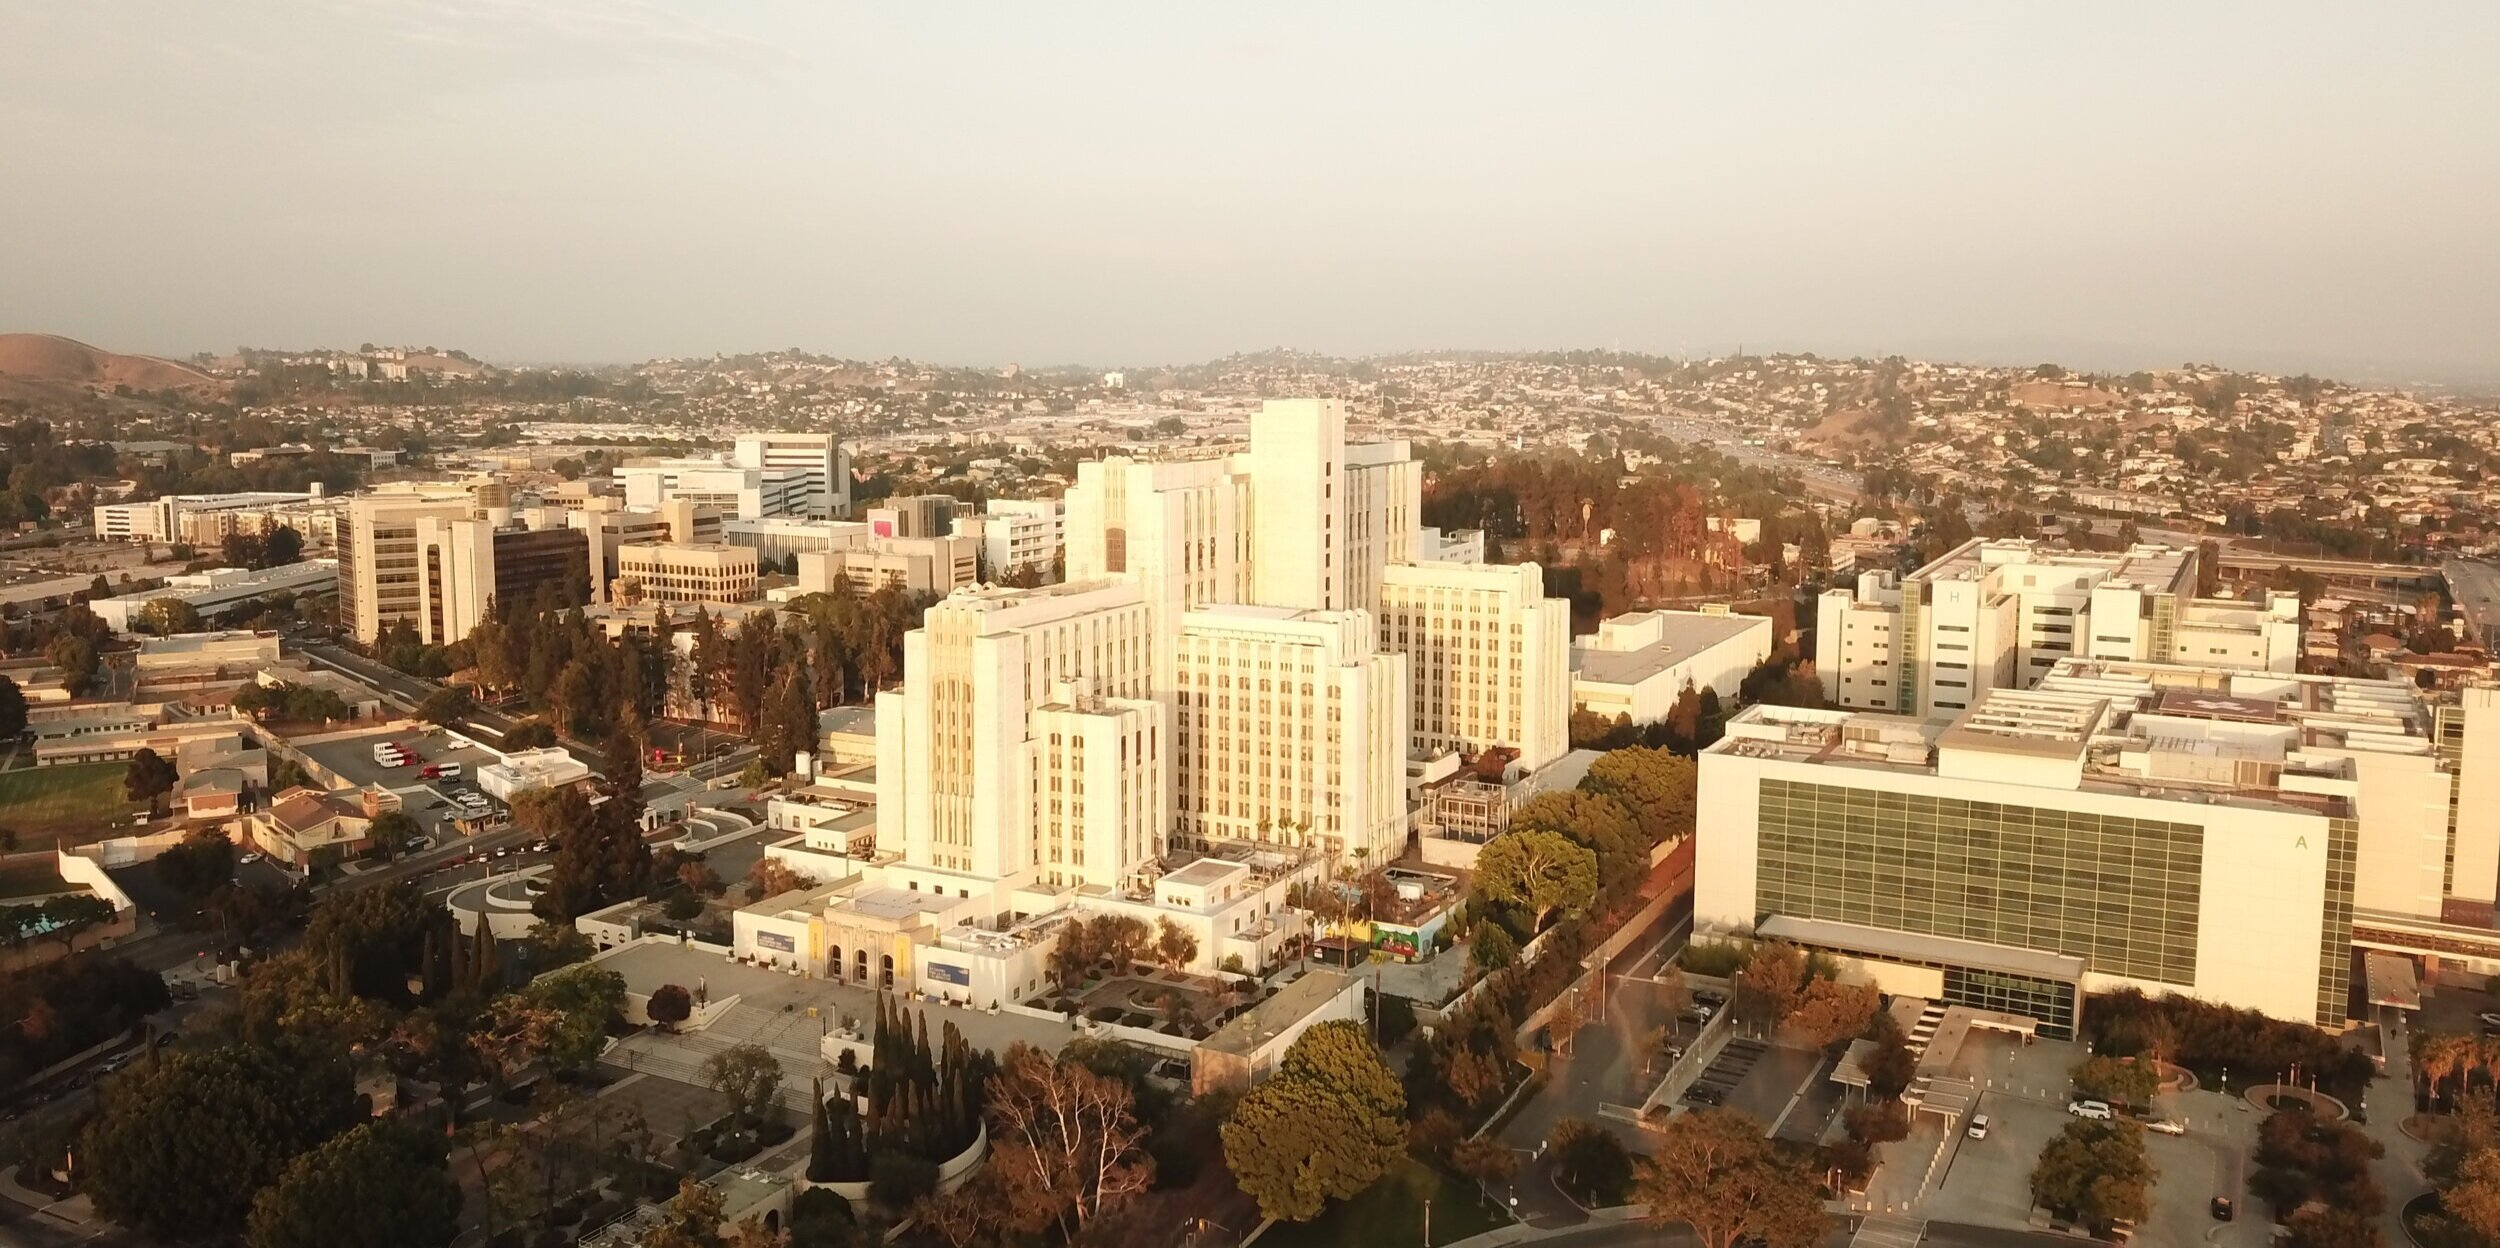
point(2476, 587)
point(1644, 1235)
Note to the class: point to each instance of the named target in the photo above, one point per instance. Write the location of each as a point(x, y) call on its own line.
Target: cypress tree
point(819, 1140)
point(924, 1067)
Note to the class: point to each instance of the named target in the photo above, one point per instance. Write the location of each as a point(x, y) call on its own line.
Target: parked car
point(1706, 1096)
point(1979, 1126)
point(2098, 1111)
point(2167, 1126)
point(247, 859)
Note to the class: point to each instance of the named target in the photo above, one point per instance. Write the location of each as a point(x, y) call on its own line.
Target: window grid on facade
point(2121, 893)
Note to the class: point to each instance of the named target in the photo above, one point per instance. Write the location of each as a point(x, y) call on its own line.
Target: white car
point(247, 860)
point(2097, 1111)
point(2167, 1126)
point(1979, 1126)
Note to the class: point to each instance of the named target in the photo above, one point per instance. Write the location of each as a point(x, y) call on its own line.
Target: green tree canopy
point(12, 710)
point(1656, 786)
point(369, 939)
point(382, 1184)
point(749, 1075)
point(1537, 870)
point(1712, 1170)
point(2095, 1172)
point(586, 999)
point(446, 705)
point(167, 616)
point(180, 1144)
point(149, 778)
point(1594, 821)
point(1328, 1125)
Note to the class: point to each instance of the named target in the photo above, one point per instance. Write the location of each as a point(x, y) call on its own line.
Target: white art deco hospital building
point(1219, 703)
point(2245, 837)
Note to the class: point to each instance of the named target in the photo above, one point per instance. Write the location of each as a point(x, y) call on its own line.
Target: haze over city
point(2296, 187)
point(652, 624)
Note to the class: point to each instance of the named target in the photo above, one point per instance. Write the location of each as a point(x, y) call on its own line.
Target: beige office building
point(1299, 519)
point(427, 559)
point(1289, 729)
point(1997, 614)
point(1490, 657)
point(915, 565)
point(674, 572)
point(1102, 778)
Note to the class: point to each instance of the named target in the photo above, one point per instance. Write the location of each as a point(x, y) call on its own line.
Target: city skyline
point(545, 182)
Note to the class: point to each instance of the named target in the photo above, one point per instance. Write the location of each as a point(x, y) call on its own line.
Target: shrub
point(1717, 958)
point(1881, 1122)
point(895, 1180)
point(1593, 1167)
point(2206, 1038)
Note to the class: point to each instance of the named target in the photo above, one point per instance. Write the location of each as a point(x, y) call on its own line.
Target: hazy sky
point(2275, 184)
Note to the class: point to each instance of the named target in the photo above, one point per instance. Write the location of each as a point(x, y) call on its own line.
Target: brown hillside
point(39, 364)
point(2055, 394)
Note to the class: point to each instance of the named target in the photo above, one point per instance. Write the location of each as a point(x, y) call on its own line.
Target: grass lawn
point(65, 805)
point(1390, 1214)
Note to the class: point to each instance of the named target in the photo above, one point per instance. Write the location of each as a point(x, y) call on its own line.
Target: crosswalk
point(1888, 1230)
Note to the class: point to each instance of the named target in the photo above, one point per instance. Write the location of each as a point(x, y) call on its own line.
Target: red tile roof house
point(300, 823)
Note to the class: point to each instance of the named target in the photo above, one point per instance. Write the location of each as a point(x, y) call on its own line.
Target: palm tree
point(2437, 1055)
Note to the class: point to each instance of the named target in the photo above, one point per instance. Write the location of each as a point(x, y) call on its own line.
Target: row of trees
point(68, 1005)
point(1114, 943)
point(2210, 1039)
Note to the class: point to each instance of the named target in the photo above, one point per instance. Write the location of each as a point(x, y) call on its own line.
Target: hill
point(39, 366)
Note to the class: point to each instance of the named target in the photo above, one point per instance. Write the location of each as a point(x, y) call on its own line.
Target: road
point(1824, 478)
point(1644, 1235)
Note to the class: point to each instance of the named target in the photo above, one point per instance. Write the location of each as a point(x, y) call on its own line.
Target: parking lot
point(2024, 1093)
point(1736, 1059)
point(426, 801)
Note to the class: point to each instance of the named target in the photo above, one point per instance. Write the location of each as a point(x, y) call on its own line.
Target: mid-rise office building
point(1018, 535)
point(915, 565)
point(1636, 666)
point(685, 572)
point(747, 493)
point(819, 457)
point(426, 558)
point(1489, 655)
point(1996, 614)
point(607, 526)
point(2225, 834)
point(775, 538)
point(914, 515)
point(160, 519)
point(1102, 778)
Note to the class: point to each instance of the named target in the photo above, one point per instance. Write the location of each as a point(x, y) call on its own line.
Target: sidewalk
point(1524, 1232)
point(76, 1212)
